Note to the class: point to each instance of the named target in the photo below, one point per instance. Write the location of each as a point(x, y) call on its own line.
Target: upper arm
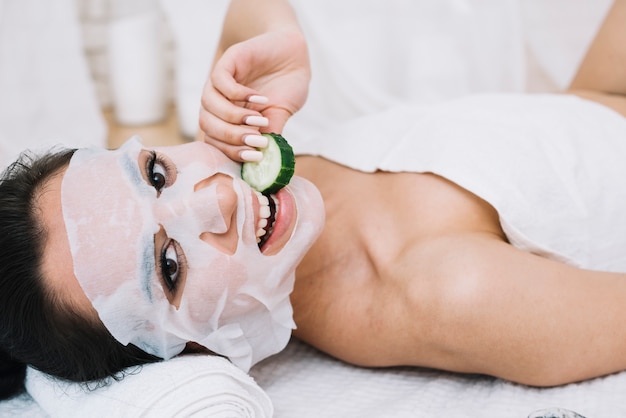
point(603, 68)
point(601, 76)
point(472, 303)
point(522, 317)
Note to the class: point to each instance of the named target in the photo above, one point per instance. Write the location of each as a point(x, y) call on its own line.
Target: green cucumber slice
point(276, 168)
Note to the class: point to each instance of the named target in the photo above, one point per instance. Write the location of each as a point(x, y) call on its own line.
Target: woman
point(448, 290)
point(262, 55)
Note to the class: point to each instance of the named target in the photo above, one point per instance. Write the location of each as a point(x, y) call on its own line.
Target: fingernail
point(257, 141)
point(249, 155)
point(259, 121)
point(255, 98)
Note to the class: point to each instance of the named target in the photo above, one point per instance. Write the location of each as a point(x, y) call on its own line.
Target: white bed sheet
point(303, 382)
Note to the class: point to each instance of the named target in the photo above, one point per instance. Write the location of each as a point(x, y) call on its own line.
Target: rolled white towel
point(184, 386)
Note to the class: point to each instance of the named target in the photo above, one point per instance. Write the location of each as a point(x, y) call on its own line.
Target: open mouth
point(267, 218)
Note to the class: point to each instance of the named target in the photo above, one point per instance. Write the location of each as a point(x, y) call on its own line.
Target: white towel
point(193, 385)
point(551, 165)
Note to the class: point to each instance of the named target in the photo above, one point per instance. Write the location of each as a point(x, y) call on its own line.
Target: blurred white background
point(63, 61)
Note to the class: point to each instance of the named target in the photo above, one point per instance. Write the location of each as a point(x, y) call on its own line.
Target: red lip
point(284, 225)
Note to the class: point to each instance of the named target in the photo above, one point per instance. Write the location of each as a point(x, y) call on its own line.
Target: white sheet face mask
point(164, 245)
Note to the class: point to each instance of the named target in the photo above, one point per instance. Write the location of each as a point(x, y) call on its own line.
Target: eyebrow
point(130, 166)
point(148, 266)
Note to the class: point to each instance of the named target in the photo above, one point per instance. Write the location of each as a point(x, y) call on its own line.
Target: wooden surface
point(163, 133)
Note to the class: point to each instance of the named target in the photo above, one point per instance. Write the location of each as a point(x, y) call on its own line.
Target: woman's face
point(171, 246)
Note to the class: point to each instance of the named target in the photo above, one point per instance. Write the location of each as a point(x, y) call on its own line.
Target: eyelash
point(156, 159)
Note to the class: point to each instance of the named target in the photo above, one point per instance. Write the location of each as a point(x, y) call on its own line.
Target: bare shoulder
point(373, 270)
point(404, 311)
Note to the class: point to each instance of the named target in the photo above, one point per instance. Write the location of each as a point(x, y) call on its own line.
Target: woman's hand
point(255, 86)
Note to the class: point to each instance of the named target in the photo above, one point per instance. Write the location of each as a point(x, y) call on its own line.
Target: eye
point(158, 172)
point(169, 266)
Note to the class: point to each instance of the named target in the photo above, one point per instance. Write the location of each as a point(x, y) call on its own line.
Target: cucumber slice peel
point(276, 168)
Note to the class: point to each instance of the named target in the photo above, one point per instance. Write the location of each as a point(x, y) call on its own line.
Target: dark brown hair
point(37, 328)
